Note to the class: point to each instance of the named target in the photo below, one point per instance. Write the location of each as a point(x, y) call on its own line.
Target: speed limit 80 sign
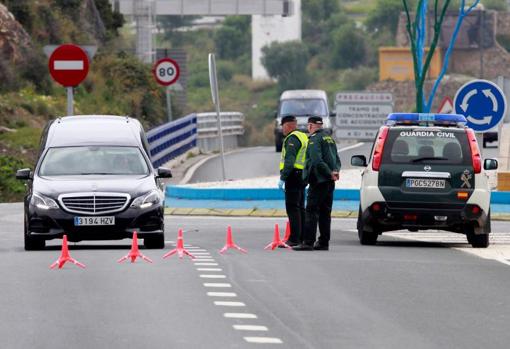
point(166, 71)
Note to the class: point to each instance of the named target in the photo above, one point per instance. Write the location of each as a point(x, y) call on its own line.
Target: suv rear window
point(431, 145)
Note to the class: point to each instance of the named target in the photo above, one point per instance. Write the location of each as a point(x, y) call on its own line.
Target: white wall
point(267, 29)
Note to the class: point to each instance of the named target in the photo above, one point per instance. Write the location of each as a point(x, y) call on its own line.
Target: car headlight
point(147, 200)
point(42, 202)
point(327, 123)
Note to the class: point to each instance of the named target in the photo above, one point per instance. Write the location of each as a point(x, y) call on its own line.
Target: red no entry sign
point(166, 71)
point(69, 65)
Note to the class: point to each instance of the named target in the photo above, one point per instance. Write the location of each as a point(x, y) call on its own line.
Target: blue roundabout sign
point(483, 104)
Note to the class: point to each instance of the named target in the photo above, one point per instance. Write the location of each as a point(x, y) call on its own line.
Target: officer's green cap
point(288, 118)
point(315, 120)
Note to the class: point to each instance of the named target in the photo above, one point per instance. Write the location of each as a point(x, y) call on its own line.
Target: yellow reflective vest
point(301, 154)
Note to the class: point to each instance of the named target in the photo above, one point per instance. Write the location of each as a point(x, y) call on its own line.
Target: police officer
point(291, 176)
point(321, 171)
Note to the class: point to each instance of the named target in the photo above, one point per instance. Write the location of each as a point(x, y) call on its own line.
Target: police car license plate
point(87, 221)
point(425, 183)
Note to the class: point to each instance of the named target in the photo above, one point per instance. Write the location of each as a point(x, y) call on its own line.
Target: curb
point(249, 212)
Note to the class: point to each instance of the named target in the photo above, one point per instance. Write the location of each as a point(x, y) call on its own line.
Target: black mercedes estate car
point(93, 180)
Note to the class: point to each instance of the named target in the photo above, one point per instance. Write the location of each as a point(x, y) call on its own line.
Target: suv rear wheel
point(476, 241)
point(365, 237)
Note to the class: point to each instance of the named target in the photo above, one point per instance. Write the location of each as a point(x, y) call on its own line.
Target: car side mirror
point(490, 164)
point(275, 114)
point(359, 160)
point(164, 172)
point(24, 174)
point(332, 114)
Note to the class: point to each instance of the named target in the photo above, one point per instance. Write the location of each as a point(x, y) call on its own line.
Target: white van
point(302, 104)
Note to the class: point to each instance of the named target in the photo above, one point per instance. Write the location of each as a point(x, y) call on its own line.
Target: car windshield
point(425, 145)
point(303, 107)
point(93, 160)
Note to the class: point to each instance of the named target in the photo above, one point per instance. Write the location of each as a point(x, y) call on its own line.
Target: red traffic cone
point(287, 232)
point(230, 242)
point(276, 240)
point(180, 250)
point(65, 257)
point(134, 253)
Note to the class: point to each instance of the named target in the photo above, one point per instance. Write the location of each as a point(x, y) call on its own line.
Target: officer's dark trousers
point(295, 205)
point(318, 209)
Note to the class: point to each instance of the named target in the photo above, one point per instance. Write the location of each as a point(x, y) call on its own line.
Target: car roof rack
point(426, 119)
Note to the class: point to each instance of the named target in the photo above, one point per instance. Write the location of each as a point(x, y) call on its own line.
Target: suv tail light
point(379, 147)
point(475, 151)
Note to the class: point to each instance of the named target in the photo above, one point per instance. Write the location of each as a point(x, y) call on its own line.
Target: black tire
point(154, 242)
point(477, 241)
point(278, 147)
point(32, 243)
point(365, 237)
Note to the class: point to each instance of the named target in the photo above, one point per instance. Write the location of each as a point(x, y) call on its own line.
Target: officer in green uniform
point(292, 163)
point(321, 171)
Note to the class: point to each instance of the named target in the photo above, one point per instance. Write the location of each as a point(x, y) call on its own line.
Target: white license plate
point(83, 221)
point(425, 183)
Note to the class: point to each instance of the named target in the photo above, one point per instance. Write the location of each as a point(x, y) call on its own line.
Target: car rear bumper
point(54, 223)
point(453, 218)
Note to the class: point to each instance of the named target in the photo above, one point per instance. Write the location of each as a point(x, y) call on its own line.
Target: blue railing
point(172, 139)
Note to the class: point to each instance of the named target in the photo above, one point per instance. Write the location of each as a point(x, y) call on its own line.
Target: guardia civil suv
point(425, 172)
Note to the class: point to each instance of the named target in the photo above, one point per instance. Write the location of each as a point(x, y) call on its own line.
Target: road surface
point(398, 294)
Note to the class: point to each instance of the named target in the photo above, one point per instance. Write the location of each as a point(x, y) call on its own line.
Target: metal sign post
point(168, 104)
point(216, 100)
point(70, 100)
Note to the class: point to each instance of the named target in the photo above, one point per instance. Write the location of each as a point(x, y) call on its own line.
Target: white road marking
point(212, 276)
point(196, 253)
point(221, 294)
point(215, 284)
point(209, 269)
point(249, 328)
point(204, 259)
point(240, 316)
point(229, 304)
point(498, 250)
point(68, 65)
point(357, 145)
point(264, 340)
point(211, 264)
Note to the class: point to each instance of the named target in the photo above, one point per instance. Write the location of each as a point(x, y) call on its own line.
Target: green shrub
point(349, 47)
point(11, 189)
point(358, 79)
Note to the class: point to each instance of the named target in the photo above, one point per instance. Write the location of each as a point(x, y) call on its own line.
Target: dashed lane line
point(207, 263)
point(212, 276)
point(239, 316)
point(217, 284)
point(209, 269)
point(229, 304)
point(221, 294)
point(250, 328)
point(263, 340)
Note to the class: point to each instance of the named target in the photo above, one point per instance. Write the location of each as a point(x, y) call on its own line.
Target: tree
point(287, 62)
point(349, 47)
point(233, 39)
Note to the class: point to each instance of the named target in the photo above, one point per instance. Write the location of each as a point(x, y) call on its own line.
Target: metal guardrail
point(172, 139)
point(231, 124)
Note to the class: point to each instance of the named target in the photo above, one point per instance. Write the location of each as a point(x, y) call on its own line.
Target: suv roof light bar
point(426, 119)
